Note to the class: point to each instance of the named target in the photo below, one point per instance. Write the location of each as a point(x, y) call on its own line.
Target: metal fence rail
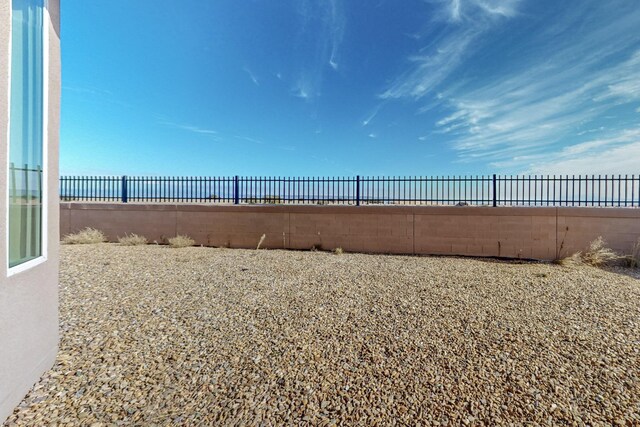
point(489, 190)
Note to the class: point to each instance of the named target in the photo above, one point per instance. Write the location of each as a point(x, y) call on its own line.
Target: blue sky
point(336, 87)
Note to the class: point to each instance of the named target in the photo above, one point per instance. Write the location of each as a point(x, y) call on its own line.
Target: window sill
point(26, 266)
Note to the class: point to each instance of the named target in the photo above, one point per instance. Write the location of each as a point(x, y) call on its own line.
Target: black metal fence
point(490, 190)
point(25, 184)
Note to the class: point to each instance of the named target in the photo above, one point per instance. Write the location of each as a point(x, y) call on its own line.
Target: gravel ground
point(202, 336)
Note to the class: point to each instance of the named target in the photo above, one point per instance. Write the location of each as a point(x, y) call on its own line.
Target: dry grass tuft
point(132, 240)
point(338, 251)
point(86, 236)
point(598, 255)
point(181, 242)
point(571, 261)
point(634, 258)
point(261, 240)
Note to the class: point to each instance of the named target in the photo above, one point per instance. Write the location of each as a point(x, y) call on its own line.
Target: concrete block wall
point(512, 232)
point(496, 232)
point(577, 227)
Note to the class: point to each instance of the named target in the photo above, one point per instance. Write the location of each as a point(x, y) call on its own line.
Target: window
point(26, 132)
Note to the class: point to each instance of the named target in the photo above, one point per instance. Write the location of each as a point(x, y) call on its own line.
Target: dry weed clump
point(571, 261)
point(634, 258)
point(86, 236)
point(598, 255)
point(132, 240)
point(338, 251)
point(181, 242)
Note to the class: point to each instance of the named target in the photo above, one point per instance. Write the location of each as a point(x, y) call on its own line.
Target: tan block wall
point(368, 230)
point(481, 231)
point(156, 222)
point(510, 232)
point(577, 227)
point(232, 228)
point(29, 300)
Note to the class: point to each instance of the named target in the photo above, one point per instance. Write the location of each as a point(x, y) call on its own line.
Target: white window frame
point(46, 23)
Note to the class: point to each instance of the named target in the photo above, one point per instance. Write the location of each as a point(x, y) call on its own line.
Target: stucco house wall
point(29, 299)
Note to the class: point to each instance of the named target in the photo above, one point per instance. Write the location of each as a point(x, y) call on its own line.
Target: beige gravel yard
point(201, 336)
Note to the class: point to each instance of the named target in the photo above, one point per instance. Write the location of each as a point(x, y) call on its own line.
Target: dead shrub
point(132, 240)
point(87, 236)
point(571, 261)
point(598, 255)
point(634, 259)
point(338, 251)
point(181, 242)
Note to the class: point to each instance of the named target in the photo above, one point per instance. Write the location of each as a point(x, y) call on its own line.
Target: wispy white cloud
point(483, 123)
point(213, 134)
point(430, 69)
point(455, 11)
point(246, 138)
point(534, 109)
point(336, 31)
point(373, 135)
point(578, 62)
point(623, 137)
point(96, 95)
point(620, 160)
point(251, 76)
point(287, 147)
point(318, 45)
point(190, 128)
point(510, 119)
point(616, 154)
point(372, 115)
point(584, 132)
point(87, 90)
point(468, 21)
point(460, 10)
point(303, 89)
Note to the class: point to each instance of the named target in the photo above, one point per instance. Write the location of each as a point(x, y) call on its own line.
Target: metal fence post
point(12, 182)
point(125, 195)
point(236, 191)
point(495, 194)
point(358, 190)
